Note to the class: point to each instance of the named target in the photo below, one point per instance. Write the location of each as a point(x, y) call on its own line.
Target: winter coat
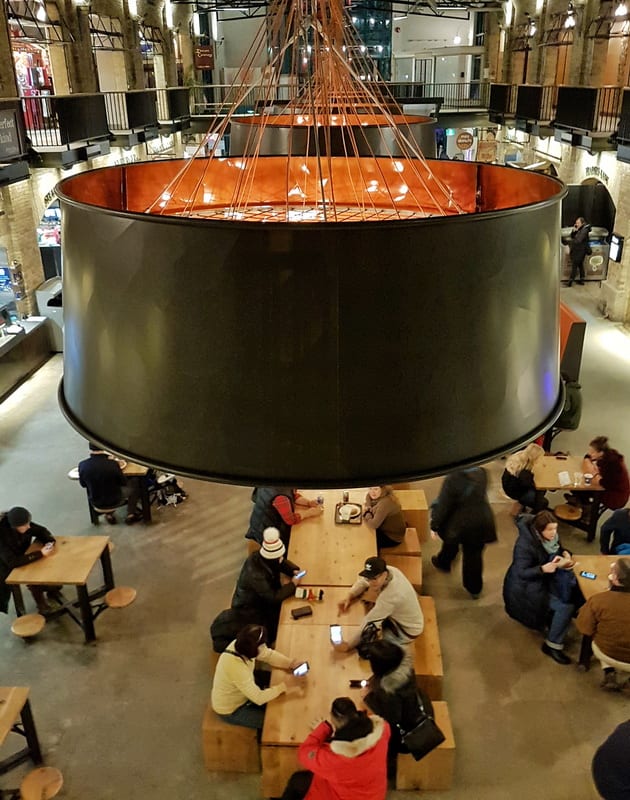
point(103, 479)
point(354, 769)
point(13, 547)
point(461, 512)
point(526, 588)
point(517, 486)
point(264, 515)
point(258, 588)
point(579, 246)
point(395, 698)
point(385, 516)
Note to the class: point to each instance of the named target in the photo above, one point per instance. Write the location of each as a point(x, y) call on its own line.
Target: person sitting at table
point(518, 479)
point(615, 533)
point(274, 507)
point(530, 592)
point(266, 579)
point(383, 514)
point(107, 487)
point(609, 472)
point(392, 692)
point(392, 602)
point(345, 758)
point(611, 766)
point(236, 697)
point(462, 517)
point(606, 618)
point(17, 532)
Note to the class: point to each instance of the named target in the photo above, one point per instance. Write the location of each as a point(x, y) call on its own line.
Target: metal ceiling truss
point(609, 27)
point(556, 33)
point(24, 15)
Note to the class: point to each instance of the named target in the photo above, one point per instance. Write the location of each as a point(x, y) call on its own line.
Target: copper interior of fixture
point(331, 119)
point(369, 186)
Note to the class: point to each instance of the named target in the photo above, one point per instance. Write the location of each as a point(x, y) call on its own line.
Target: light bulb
point(457, 39)
point(569, 22)
point(621, 10)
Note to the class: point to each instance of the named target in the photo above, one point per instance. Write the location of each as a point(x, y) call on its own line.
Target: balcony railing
point(591, 109)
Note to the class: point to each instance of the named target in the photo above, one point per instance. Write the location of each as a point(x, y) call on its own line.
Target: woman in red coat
point(346, 758)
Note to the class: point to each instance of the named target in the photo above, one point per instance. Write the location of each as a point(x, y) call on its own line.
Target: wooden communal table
point(600, 567)
point(332, 554)
point(291, 717)
point(71, 563)
point(16, 717)
point(547, 478)
point(325, 611)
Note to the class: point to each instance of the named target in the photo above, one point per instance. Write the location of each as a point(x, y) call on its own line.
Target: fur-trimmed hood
point(358, 746)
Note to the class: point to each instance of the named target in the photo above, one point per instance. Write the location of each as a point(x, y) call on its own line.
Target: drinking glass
point(577, 478)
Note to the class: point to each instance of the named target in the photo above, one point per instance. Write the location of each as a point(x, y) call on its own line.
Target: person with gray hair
point(605, 617)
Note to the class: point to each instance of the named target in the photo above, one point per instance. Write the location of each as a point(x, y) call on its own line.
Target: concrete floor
point(122, 718)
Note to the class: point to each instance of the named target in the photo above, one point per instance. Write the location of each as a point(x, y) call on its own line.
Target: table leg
point(593, 520)
point(86, 613)
point(586, 651)
point(31, 733)
point(106, 566)
point(18, 600)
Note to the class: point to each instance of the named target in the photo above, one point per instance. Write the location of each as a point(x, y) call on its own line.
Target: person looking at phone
point(17, 533)
point(393, 601)
point(578, 249)
point(236, 697)
point(540, 582)
point(266, 579)
point(279, 508)
point(345, 757)
point(383, 514)
point(606, 618)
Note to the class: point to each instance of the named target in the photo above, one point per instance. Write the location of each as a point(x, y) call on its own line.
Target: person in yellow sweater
point(236, 698)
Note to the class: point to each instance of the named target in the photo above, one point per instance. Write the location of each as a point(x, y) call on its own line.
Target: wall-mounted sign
point(616, 247)
point(464, 140)
point(9, 135)
point(203, 56)
point(597, 172)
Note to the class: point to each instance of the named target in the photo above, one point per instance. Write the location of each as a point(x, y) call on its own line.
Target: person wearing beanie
point(265, 580)
point(279, 508)
point(17, 531)
point(345, 758)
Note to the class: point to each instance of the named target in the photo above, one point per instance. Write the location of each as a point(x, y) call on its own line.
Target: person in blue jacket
point(615, 533)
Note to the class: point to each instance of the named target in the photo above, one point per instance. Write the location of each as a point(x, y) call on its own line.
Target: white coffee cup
point(588, 478)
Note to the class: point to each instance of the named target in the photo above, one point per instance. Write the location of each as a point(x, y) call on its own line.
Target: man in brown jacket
point(605, 618)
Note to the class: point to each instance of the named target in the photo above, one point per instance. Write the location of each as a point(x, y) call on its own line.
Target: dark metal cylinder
point(311, 354)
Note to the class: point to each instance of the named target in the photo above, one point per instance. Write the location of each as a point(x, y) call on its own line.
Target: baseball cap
point(373, 567)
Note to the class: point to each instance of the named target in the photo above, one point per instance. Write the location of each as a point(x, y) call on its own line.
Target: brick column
point(8, 85)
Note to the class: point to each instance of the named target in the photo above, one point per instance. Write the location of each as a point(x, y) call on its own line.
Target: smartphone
point(301, 573)
point(358, 684)
point(590, 575)
point(301, 669)
point(335, 634)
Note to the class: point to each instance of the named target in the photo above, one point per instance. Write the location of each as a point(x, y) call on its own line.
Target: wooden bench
point(228, 748)
point(410, 566)
point(435, 771)
point(415, 510)
point(410, 546)
point(428, 667)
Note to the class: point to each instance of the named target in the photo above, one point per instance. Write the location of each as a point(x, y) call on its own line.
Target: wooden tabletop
point(133, 470)
point(548, 470)
point(600, 565)
point(333, 555)
point(12, 699)
point(71, 562)
point(290, 717)
point(324, 612)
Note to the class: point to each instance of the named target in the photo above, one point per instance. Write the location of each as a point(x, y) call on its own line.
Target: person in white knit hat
point(266, 579)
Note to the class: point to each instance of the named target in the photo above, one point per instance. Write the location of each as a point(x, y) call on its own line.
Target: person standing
point(462, 517)
point(578, 249)
point(275, 507)
point(345, 759)
point(17, 532)
point(606, 619)
point(384, 515)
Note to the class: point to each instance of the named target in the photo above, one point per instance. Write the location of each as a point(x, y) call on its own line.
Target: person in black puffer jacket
point(462, 517)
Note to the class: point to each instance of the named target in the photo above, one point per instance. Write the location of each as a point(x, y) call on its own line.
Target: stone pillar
point(8, 85)
point(82, 72)
point(18, 233)
point(493, 56)
point(615, 296)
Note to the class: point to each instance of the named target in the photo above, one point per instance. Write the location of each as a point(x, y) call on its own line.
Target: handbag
point(424, 737)
point(369, 634)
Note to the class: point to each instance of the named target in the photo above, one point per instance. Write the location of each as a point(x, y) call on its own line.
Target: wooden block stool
point(567, 513)
point(410, 546)
point(428, 667)
point(228, 748)
point(410, 566)
point(28, 625)
point(42, 783)
point(120, 597)
point(434, 772)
